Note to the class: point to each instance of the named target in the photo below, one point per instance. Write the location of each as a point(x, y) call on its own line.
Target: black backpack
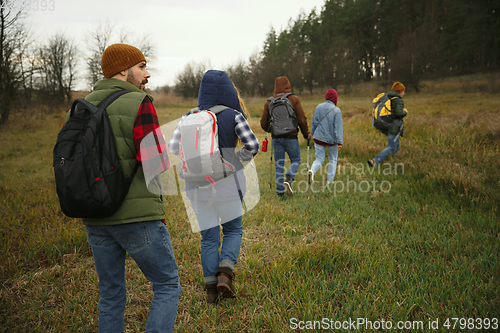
point(89, 178)
point(282, 116)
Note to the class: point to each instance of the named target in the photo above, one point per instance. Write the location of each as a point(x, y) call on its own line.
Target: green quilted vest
point(140, 204)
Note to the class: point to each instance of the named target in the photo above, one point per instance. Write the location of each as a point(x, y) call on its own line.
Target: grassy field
point(411, 243)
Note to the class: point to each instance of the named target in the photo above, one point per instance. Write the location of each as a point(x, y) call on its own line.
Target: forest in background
point(339, 45)
point(349, 41)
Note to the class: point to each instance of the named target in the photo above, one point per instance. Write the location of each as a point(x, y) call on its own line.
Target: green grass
point(422, 247)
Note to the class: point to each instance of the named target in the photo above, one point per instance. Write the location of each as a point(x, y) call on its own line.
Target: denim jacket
point(328, 129)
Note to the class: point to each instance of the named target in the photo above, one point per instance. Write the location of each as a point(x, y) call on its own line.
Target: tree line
point(45, 72)
point(349, 41)
point(28, 69)
point(344, 42)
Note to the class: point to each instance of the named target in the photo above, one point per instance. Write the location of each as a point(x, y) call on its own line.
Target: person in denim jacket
point(327, 132)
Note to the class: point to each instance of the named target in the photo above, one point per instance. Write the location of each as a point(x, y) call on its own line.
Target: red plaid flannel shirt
point(152, 154)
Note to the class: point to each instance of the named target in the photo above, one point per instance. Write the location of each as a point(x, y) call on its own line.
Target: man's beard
point(132, 79)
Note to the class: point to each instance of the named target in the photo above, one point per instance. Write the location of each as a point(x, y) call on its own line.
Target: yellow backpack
point(382, 114)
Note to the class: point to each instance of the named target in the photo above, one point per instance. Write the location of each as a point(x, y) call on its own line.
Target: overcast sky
point(221, 32)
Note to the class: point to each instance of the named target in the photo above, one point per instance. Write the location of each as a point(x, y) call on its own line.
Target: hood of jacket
point(217, 88)
point(281, 86)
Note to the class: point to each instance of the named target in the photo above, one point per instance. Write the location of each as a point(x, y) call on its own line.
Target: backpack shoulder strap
point(214, 109)
point(103, 104)
point(218, 109)
point(87, 104)
point(285, 95)
point(111, 98)
point(326, 115)
point(391, 99)
point(132, 175)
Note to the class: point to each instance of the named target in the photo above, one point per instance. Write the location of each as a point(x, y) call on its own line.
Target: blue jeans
point(292, 148)
point(392, 147)
point(148, 243)
point(229, 215)
point(333, 153)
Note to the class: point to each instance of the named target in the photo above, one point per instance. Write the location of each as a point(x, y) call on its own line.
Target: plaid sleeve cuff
point(247, 137)
point(149, 141)
point(173, 143)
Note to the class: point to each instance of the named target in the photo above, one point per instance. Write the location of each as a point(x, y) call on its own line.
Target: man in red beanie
point(398, 113)
point(138, 227)
point(327, 132)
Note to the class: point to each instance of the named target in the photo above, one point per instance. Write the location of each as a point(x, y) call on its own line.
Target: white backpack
point(200, 159)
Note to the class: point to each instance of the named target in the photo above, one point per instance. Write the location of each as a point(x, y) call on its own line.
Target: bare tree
point(105, 34)
point(143, 42)
point(97, 40)
point(254, 69)
point(187, 83)
point(238, 73)
point(13, 45)
point(58, 62)
point(30, 66)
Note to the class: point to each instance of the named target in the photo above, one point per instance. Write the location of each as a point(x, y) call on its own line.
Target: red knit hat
point(331, 95)
point(119, 57)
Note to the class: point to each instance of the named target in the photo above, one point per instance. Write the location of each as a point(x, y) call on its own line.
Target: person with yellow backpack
point(388, 117)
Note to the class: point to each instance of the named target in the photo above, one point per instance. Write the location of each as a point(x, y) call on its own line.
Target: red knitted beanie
point(331, 95)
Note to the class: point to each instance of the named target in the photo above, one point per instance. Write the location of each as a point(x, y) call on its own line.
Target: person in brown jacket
point(288, 142)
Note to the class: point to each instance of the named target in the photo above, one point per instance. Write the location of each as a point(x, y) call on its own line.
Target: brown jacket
point(281, 86)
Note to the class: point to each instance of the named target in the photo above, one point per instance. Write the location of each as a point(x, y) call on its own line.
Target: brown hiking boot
point(212, 293)
point(225, 285)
